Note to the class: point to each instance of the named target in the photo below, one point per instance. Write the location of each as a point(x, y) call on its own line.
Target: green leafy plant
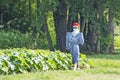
point(19, 60)
point(85, 62)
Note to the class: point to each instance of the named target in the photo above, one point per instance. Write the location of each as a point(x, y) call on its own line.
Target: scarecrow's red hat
point(75, 24)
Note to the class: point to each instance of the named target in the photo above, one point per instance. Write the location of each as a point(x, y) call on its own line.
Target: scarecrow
point(73, 40)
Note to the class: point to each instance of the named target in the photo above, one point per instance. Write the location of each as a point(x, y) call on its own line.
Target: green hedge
point(14, 39)
point(13, 61)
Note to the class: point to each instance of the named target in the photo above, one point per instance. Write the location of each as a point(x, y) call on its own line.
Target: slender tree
point(111, 29)
point(30, 12)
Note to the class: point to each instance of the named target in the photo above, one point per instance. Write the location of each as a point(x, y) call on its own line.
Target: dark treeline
point(96, 17)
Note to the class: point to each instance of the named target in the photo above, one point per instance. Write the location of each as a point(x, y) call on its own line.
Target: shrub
point(14, 61)
point(14, 39)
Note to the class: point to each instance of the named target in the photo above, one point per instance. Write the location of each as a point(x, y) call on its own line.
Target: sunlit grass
point(65, 75)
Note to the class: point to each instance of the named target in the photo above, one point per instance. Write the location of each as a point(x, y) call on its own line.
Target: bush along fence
point(13, 61)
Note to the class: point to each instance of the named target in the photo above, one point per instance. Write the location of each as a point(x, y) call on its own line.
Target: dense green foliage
point(16, 39)
point(48, 20)
point(14, 61)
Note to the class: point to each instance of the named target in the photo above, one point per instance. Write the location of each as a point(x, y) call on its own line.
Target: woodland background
point(42, 24)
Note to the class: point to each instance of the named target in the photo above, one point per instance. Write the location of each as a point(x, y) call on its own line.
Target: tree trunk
point(30, 12)
point(101, 24)
point(60, 16)
point(35, 32)
point(69, 24)
point(38, 6)
point(111, 29)
point(1, 16)
point(91, 36)
point(35, 35)
point(82, 21)
point(48, 35)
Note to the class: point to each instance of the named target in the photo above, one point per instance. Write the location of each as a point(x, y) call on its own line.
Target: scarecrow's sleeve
point(68, 44)
point(81, 38)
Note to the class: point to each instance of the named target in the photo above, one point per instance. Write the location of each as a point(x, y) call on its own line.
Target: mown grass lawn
point(106, 67)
